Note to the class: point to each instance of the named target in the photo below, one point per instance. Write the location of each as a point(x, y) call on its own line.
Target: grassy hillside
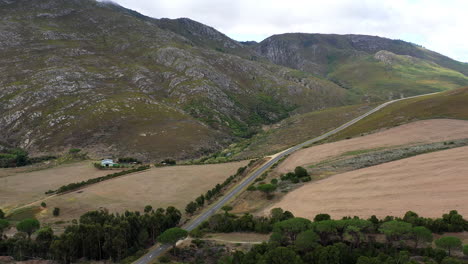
point(387, 75)
point(292, 131)
point(449, 104)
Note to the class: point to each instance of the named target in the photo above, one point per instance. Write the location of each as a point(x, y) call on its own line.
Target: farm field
point(429, 184)
point(21, 186)
point(158, 187)
point(419, 132)
point(450, 104)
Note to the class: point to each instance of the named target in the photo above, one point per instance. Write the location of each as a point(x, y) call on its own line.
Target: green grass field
point(450, 104)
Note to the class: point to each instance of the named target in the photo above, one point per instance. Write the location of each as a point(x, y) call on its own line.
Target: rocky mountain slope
point(81, 73)
point(366, 65)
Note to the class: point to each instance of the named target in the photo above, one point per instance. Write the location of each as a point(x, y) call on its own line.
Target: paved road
point(216, 206)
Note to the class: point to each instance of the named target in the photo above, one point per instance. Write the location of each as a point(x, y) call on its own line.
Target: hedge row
point(77, 185)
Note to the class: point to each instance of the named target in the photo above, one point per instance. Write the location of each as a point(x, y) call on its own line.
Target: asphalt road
point(150, 256)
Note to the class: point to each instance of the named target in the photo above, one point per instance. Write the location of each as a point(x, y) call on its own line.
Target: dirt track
point(417, 132)
point(429, 184)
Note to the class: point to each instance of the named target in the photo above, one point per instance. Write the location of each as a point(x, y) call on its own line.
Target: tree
point(43, 204)
point(306, 240)
point(281, 255)
point(148, 208)
point(448, 243)
point(292, 227)
point(172, 235)
point(2, 214)
point(226, 208)
point(421, 234)
point(28, 226)
point(465, 250)
point(191, 207)
point(300, 172)
point(267, 189)
point(4, 224)
point(200, 200)
point(394, 230)
point(449, 260)
point(56, 211)
point(325, 229)
point(321, 217)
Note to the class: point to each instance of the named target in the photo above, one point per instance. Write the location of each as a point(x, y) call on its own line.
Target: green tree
point(56, 211)
point(226, 208)
point(191, 207)
point(28, 226)
point(200, 200)
point(421, 234)
point(44, 239)
point(325, 229)
point(322, 217)
point(329, 255)
point(448, 243)
point(172, 235)
point(394, 230)
point(2, 214)
point(148, 208)
point(292, 227)
point(4, 224)
point(355, 229)
point(300, 172)
point(281, 255)
point(267, 189)
point(43, 204)
point(306, 240)
point(465, 250)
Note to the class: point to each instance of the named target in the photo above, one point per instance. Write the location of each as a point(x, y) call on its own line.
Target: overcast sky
point(439, 25)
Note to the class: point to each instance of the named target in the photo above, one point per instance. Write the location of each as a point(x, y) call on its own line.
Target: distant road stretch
point(150, 256)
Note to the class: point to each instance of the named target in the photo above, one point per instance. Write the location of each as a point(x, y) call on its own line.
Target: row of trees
point(213, 193)
point(326, 241)
point(77, 185)
point(98, 235)
point(16, 157)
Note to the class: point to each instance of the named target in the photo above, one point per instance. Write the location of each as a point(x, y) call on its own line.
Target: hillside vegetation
point(108, 80)
point(449, 104)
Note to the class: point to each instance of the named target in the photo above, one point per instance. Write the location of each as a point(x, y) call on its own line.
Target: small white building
point(107, 163)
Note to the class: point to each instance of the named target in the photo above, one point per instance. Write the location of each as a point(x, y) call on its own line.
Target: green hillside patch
point(449, 104)
point(394, 75)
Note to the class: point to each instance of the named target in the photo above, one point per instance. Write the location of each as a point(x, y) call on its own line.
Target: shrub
point(300, 172)
point(43, 204)
point(306, 179)
point(74, 151)
point(168, 162)
point(295, 180)
point(252, 188)
point(274, 181)
point(56, 211)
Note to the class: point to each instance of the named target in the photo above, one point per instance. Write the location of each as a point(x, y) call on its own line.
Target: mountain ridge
point(114, 82)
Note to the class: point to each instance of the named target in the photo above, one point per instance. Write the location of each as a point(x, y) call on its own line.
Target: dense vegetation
point(98, 235)
point(77, 185)
point(16, 157)
point(345, 241)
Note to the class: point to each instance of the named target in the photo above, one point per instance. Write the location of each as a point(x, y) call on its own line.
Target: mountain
point(369, 66)
point(96, 76)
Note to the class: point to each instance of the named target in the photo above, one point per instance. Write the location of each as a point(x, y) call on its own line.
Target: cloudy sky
point(439, 25)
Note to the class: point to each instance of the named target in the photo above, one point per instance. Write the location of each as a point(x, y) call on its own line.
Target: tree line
point(346, 241)
point(213, 193)
point(16, 157)
point(98, 235)
point(77, 185)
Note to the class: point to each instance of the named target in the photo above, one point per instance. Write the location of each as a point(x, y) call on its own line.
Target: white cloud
point(439, 25)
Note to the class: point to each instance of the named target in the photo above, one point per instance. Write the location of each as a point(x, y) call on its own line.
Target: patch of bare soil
point(426, 131)
point(429, 184)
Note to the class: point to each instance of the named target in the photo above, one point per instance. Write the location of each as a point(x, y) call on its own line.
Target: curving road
point(154, 253)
